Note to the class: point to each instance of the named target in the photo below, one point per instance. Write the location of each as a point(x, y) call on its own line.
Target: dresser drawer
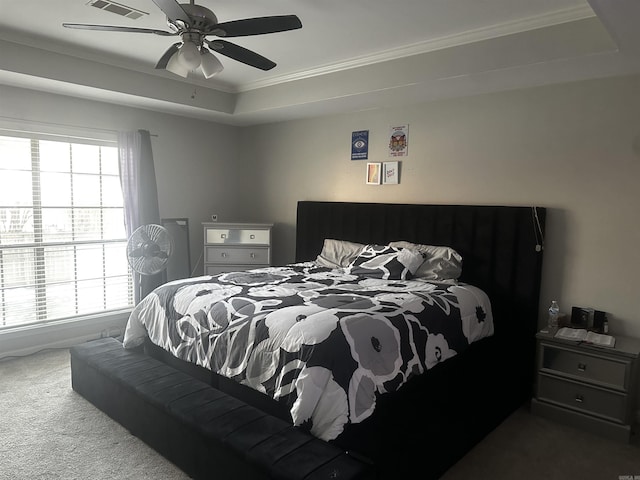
point(581, 397)
point(216, 269)
point(242, 236)
point(237, 255)
point(597, 370)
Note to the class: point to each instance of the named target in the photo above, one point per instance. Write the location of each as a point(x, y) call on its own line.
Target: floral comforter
point(324, 342)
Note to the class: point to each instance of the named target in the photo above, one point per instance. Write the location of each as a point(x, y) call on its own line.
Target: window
point(62, 234)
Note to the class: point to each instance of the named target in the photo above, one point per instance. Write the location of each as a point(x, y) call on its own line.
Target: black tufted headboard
point(500, 247)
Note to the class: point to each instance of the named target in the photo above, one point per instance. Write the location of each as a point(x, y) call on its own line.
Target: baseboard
point(29, 339)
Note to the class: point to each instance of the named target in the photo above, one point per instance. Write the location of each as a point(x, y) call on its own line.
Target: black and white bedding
point(324, 341)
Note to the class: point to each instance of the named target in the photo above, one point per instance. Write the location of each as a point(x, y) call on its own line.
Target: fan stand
point(139, 285)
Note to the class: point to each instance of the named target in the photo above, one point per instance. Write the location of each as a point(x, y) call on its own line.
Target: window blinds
point(62, 237)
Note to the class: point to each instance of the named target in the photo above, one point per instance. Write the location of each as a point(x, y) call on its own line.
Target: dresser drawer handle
point(253, 255)
point(582, 367)
point(223, 255)
point(223, 235)
point(579, 398)
point(252, 237)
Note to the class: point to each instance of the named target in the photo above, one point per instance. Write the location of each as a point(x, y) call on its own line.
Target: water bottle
point(554, 311)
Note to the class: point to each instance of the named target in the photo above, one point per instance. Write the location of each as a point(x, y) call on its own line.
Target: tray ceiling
point(349, 56)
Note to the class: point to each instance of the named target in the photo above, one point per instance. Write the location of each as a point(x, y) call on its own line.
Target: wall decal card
point(390, 173)
point(360, 145)
point(399, 141)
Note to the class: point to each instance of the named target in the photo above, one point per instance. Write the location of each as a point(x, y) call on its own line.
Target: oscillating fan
point(148, 250)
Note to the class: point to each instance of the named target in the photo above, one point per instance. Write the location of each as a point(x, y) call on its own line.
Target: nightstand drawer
point(237, 256)
point(598, 370)
point(584, 398)
point(243, 236)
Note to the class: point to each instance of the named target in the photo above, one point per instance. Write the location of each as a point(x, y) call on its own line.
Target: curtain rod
point(35, 124)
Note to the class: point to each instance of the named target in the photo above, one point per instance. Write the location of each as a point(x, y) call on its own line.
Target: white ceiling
point(348, 56)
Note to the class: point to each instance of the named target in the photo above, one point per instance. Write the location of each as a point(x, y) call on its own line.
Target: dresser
point(232, 247)
point(589, 387)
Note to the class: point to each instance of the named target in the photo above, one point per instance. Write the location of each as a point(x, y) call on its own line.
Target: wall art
point(360, 145)
point(373, 173)
point(399, 141)
point(390, 173)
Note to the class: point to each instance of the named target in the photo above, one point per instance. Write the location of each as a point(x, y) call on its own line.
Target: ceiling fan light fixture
point(189, 55)
point(210, 64)
point(175, 66)
point(194, 23)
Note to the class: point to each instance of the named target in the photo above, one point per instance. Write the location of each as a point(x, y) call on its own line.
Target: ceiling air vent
point(118, 8)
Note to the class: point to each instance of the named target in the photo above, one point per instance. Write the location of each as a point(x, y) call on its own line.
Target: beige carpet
point(47, 431)
point(50, 432)
point(527, 447)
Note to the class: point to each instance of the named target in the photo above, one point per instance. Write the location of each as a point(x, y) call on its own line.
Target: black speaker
point(598, 320)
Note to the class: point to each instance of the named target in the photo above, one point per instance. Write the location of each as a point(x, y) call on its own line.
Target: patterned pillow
point(388, 263)
point(440, 264)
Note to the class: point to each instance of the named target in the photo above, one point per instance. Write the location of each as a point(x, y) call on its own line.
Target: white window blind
point(62, 235)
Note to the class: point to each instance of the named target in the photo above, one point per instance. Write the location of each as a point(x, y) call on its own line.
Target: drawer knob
point(223, 255)
point(253, 255)
point(223, 235)
point(252, 237)
point(579, 398)
point(582, 367)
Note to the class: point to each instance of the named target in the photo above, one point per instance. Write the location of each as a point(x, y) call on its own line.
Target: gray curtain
point(138, 179)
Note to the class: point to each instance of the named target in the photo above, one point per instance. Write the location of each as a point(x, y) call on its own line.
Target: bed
point(400, 370)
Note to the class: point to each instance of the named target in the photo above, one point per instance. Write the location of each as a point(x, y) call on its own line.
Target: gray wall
point(196, 162)
point(572, 148)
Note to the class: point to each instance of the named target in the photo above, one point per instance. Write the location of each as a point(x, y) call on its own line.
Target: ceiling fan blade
point(241, 54)
point(112, 28)
point(173, 10)
point(256, 26)
point(164, 60)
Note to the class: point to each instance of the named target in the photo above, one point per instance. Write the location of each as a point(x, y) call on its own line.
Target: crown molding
point(486, 33)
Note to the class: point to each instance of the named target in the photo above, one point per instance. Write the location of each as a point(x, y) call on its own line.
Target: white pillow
point(338, 253)
point(440, 263)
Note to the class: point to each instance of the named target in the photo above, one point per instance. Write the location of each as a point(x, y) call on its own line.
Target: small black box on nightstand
point(598, 320)
point(582, 317)
point(588, 318)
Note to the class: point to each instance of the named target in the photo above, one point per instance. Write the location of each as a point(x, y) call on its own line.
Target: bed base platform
point(212, 427)
point(440, 421)
point(205, 432)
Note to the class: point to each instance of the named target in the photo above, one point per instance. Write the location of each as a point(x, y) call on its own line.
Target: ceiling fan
point(194, 23)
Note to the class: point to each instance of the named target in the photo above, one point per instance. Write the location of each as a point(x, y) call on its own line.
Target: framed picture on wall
point(360, 145)
point(399, 141)
point(390, 173)
point(373, 173)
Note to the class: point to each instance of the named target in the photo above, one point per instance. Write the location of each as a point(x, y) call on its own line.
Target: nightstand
point(589, 387)
point(232, 247)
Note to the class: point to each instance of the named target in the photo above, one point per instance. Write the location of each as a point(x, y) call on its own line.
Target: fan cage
point(145, 237)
